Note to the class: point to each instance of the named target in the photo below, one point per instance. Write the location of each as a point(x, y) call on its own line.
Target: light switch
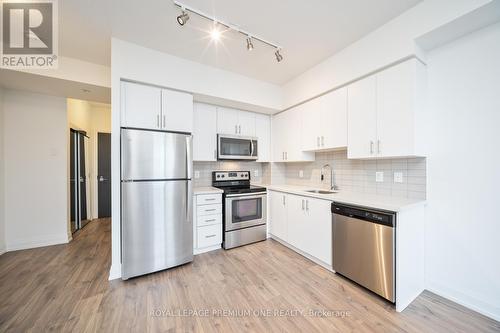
point(256, 173)
point(379, 176)
point(301, 173)
point(196, 174)
point(398, 177)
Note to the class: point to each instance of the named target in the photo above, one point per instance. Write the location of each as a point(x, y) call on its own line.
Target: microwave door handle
point(251, 147)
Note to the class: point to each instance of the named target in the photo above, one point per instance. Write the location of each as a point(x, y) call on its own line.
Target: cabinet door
point(246, 123)
point(311, 122)
point(278, 214)
point(205, 132)
point(293, 147)
point(298, 227)
point(263, 134)
point(278, 136)
point(177, 111)
point(227, 121)
point(362, 118)
point(396, 88)
point(141, 106)
point(333, 119)
point(318, 236)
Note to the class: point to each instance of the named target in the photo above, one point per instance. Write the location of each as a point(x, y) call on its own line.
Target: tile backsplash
point(350, 175)
point(205, 169)
point(359, 175)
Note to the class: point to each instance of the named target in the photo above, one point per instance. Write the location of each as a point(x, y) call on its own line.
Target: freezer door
point(148, 155)
point(157, 226)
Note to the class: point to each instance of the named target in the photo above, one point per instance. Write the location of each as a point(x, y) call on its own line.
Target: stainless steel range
point(244, 208)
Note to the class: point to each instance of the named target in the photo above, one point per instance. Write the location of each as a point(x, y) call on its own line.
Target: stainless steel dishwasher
point(364, 247)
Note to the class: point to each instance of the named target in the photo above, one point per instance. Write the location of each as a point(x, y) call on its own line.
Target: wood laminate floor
point(261, 287)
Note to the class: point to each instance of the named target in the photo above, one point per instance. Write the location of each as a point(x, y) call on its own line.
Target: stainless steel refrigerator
point(156, 201)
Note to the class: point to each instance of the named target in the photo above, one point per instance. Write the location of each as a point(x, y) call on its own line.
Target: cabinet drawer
point(208, 220)
point(207, 199)
point(209, 209)
point(209, 235)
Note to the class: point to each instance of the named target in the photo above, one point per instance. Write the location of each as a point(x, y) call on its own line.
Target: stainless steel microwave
point(234, 147)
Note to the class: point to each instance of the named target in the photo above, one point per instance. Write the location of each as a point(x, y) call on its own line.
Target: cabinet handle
point(211, 220)
point(371, 147)
point(283, 200)
point(307, 205)
point(235, 129)
point(322, 141)
point(378, 146)
point(158, 121)
point(209, 210)
point(283, 156)
point(317, 141)
point(286, 155)
point(302, 204)
point(164, 121)
point(210, 199)
point(239, 129)
point(215, 154)
point(210, 236)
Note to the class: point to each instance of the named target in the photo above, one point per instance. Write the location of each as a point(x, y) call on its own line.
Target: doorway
point(79, 184)
point(103, 175)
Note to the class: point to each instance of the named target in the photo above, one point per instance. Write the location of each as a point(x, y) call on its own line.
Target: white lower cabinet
point(207, 226)
point(303, 222)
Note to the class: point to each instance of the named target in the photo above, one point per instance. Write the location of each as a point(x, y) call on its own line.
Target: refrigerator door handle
point(189, 157)
point(189, 200)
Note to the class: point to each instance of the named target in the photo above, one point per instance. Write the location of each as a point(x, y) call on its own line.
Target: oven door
point(232, 147)
point(245, 210)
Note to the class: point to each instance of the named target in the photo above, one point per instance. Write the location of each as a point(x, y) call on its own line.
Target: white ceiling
point(308, 30)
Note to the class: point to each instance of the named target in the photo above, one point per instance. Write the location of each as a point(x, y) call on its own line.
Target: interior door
point(104, 175)
point(141, 106)
point(362, 118)
point(148, 155)
point(157, 227)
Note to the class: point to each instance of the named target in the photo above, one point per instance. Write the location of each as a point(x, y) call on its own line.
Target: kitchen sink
point(321, 191)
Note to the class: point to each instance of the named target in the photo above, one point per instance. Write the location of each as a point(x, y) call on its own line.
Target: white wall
point(2, 197)
point(463, 165)
point(393, 41)
point(35, 151)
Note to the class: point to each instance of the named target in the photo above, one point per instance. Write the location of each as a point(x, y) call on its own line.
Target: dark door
point(104, 174)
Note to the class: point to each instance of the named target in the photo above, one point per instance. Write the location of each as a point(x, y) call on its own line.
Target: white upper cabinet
point(235, 122)
point(362, 118)
point(205, 132)
point(149, 107)
point(286, 137)
point(177, 111)
point(384, 112)
point(140, 106)
point(263, 134)
point(324, 122)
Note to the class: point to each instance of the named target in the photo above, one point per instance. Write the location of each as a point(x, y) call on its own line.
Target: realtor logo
point(29, 34)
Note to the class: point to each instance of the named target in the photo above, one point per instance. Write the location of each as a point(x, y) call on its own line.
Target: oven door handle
point(247, 195)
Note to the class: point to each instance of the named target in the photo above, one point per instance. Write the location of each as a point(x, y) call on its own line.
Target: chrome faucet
point(333, 186)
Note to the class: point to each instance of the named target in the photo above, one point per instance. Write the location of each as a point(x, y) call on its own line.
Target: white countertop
point(393, 204)
point(206, 190)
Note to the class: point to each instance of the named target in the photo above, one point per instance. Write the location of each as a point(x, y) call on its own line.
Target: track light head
point(183, 18)
point(279, 57)
point(249, 43)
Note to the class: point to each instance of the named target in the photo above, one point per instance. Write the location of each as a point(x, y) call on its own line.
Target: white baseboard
point(39, 241)
point(2, 250)
point(115, 272)
point(487, 309)
point(206, 249)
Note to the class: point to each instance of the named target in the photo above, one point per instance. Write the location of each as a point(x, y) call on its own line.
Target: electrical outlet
point(379, 176)
point(256, 173)
point(398, 177)
point(196, 174)
point(301, 173)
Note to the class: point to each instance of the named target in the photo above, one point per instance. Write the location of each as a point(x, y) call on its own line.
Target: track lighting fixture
point(279, 57)
point(216, 32)
point(183, 18)
point(249, 43)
